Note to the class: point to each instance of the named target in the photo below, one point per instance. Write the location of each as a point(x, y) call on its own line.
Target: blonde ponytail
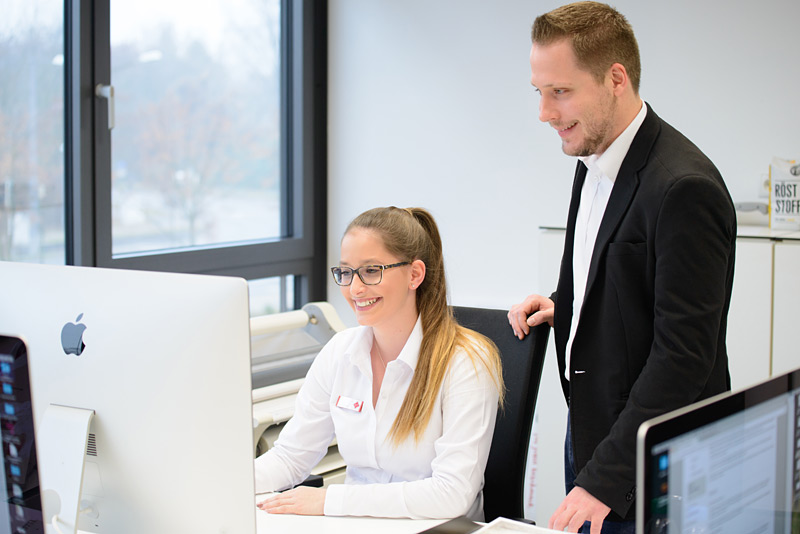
point(412, 234)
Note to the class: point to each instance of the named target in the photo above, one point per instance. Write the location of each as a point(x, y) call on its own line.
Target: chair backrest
point(504, 477)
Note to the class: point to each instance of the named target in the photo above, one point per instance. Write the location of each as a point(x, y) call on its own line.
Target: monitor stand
point(61, 440)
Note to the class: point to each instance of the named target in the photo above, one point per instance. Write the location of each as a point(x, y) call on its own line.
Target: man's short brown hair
point(600, 36)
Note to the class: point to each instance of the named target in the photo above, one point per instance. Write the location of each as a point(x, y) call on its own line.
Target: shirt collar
point(410, 353)
point(609, 162)
point(359, 349)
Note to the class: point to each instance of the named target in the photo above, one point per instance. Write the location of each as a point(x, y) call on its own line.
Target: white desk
point(303, 524)
point(267, 523)
point(299, 524)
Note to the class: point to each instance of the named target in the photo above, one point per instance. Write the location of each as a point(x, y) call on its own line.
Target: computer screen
point(727, 464)
point(148, 377)
point(21, 506)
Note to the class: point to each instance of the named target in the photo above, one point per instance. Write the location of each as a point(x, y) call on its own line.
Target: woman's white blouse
point(439, 476)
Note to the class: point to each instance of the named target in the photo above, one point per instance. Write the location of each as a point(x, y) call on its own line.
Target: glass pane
point(271, 295)
point(32, 131)
point(195, 148)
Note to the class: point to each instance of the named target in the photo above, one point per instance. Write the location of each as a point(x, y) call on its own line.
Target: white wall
point(430, 105)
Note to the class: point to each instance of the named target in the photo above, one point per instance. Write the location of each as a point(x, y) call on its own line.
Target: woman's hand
point(302, 500)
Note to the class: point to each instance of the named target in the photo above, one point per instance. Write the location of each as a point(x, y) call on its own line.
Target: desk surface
point(298, 524)
point(267, 523)
point(301, 524)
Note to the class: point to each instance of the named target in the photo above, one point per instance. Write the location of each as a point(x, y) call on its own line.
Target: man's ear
point(618, 76)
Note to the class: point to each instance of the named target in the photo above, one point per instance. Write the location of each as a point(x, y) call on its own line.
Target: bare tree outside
point(32, 136)
point(196, 149)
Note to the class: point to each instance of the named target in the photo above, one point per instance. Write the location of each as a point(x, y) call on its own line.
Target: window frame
point(302, 252)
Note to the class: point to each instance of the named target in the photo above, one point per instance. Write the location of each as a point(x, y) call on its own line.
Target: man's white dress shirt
point(600, 177)
point(440, 476)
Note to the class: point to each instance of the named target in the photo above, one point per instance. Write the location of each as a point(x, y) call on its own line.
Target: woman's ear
point(417, 274)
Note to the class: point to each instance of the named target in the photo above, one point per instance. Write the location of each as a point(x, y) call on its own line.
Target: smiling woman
point(410, 396)
point(382, 289)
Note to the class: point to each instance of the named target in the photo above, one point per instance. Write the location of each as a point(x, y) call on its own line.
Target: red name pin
point(349, 404)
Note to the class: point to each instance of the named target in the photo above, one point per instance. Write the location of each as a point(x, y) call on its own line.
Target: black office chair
point(503, 490)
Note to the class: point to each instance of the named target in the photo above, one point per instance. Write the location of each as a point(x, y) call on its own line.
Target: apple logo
point(72, 337)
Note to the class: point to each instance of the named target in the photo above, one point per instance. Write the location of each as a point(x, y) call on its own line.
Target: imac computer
point(141, 395)
point(727, 464)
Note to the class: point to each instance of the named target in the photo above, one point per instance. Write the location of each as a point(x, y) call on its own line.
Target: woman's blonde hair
point(411, 234)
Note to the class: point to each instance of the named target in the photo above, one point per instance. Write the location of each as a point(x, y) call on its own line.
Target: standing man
point(641, 306)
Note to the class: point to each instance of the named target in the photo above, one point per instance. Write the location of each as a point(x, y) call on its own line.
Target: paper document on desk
point(501, 525)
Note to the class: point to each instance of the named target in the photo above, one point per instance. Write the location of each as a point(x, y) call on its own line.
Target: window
point(32, 132)
point(162, 141)
point(195, 152)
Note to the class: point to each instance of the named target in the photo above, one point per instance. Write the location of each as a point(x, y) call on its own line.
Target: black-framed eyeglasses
point(370, 275)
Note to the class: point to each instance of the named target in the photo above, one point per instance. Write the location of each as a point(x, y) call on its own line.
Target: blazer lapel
point(565, 292)
point(624, 188)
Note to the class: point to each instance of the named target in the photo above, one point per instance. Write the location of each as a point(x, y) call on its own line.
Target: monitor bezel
point(694, 416)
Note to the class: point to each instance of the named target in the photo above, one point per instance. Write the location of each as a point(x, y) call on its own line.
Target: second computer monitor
point(727, 464)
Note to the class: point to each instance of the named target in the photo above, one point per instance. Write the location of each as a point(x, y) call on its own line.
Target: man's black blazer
point(651, 335)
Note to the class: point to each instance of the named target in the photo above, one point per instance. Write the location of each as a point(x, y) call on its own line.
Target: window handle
point(107, 92)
